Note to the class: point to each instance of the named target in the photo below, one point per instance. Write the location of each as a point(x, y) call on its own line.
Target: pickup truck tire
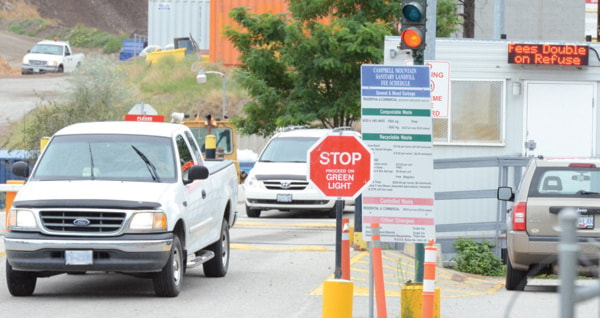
point(515, 279)
point(167, 283)
point(217, 267)
point(252, 213)
point(20, 283)
point(60, 69)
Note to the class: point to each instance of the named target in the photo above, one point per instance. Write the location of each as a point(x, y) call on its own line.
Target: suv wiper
point(149, 165)
point(583, 192)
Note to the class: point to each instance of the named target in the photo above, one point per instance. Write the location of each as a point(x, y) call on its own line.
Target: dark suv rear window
point(565, 182)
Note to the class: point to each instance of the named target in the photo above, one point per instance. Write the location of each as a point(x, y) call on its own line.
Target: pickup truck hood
point(280, 168)
point(92, 190)
point(42, 57)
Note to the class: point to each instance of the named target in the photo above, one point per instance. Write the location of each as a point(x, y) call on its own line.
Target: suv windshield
point(287, 149)
point(568, 182)
point(108, 157)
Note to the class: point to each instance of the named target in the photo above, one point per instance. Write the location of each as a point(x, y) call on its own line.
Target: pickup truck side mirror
point(505, 194)
point(21, 169)
point(198, 172)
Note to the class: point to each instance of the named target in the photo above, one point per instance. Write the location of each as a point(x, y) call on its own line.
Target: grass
point(171, 86)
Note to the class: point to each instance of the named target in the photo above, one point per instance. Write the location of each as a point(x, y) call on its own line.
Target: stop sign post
point(340, 165)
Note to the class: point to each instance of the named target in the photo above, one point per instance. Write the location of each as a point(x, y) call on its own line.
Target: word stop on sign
point(344, 158)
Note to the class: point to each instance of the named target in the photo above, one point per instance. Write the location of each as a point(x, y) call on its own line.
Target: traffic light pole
point(418, 59)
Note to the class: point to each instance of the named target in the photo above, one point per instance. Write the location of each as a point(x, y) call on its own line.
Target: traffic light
point(413, 17)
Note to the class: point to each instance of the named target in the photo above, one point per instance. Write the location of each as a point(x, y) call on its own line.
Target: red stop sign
point(340, 165)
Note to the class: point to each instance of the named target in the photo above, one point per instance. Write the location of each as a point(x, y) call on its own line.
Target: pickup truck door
point(69, 61)
point(196, 206)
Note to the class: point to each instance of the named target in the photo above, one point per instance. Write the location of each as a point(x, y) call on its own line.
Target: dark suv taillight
point(519, 216)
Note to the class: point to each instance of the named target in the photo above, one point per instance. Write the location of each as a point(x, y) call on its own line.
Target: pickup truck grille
point(82, 221)
point(37, 62)
point(285, 185)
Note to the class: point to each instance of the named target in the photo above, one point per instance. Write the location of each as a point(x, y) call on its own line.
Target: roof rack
point(289, 128)
point(344, 128)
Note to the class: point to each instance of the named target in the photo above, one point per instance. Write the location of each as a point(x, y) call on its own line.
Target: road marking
point(265, 224)
point(254, 247)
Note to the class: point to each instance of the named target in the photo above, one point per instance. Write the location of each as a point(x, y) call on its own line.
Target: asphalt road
point(20, 94)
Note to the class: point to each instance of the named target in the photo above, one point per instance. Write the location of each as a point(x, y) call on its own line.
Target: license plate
point(79, 258)
point(36, 70)
point(284, 198)
point(585, 222)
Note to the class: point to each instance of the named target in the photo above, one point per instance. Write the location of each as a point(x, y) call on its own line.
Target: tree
point(447, 20)
point(303, 66)
point(468, 17)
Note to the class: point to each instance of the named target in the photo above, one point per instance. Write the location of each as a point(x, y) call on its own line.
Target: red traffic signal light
point(413, 19)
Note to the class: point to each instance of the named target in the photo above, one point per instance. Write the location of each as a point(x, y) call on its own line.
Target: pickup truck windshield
point(108, 157)
point(288, 149)
point(47, 49)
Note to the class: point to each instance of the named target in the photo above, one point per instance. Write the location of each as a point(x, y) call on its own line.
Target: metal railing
point(506, 165)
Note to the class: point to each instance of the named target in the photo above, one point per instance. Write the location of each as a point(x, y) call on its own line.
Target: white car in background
point(279, 177)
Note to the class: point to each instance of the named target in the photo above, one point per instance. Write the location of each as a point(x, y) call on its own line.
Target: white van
point(279, 177)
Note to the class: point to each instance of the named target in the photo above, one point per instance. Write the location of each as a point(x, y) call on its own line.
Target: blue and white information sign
point(397, 127)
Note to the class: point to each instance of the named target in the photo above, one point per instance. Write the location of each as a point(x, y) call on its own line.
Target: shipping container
point(170, 19)
point(221, 49)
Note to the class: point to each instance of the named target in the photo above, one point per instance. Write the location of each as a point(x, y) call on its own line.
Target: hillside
point(113, 16)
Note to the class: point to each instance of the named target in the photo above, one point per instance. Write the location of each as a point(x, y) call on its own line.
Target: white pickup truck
point(51, 56)
point(128, 197)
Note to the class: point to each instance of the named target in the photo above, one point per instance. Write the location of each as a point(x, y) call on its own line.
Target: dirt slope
point(113, 16)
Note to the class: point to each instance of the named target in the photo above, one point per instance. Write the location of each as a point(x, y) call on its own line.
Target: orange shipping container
point(221, 49)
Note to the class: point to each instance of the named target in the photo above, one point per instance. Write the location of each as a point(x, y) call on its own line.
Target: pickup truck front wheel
point(20, 283)
point(167, 283)
point(217, 267)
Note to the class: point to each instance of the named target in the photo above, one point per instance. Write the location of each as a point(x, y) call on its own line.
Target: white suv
point(279, 177)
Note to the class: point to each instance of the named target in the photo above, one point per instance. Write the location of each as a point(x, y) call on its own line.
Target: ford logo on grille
point(81, 222)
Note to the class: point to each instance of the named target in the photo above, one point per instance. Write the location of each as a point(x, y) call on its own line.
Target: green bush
point(477, 258)
point(80, 36)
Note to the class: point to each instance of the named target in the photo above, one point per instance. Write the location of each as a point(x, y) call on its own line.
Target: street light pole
point(201, 78)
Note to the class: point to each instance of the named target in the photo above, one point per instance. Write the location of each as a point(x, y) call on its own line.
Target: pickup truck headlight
point(22, 220)
point(148, 221)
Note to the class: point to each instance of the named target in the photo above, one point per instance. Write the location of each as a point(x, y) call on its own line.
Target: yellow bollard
point(210, 148)
point(411, 301)
point(358, 243)
point(337, 298)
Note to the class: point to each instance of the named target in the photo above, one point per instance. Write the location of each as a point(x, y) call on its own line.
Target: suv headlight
point(21, 220)
point(251, 181)
point(148, 221)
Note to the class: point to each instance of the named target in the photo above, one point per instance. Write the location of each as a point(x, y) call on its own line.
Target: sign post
point(339, 165)
point(397, 125)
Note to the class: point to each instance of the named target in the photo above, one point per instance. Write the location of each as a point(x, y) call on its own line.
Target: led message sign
point(548, 54)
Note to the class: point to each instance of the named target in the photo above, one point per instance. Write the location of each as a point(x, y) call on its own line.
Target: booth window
point(475, 115)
